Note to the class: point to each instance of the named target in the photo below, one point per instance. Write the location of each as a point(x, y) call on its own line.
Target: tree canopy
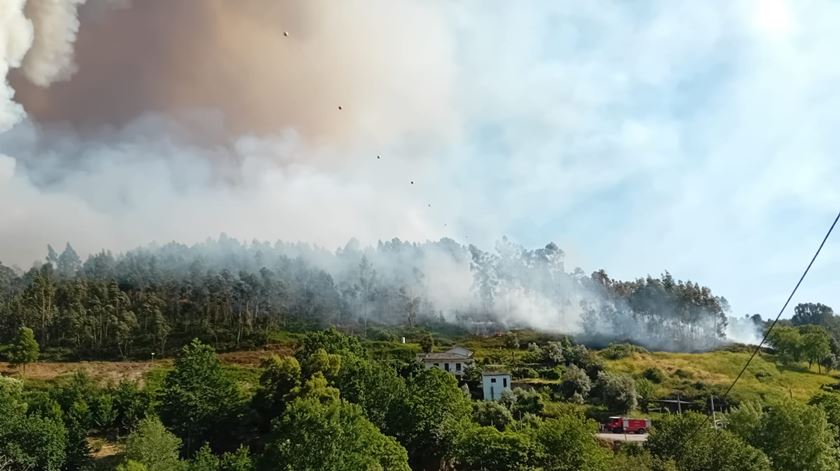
point(197, 397)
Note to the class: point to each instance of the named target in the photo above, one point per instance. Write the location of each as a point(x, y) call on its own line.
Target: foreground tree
point(197, 398)
point(154, 447)
point(130, 405)
point(434, 412)
point(695, 446)
point(28, 441)
point(375, 387)
point(567, 443)
point(280, 376)
point(488, 449)
point(205, 460)
point(492, 414)
point(322, 432)
point(797, 436)
point(830, 404)
point(131, 465)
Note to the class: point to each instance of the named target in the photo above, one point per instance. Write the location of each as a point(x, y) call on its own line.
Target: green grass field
point(765, 380)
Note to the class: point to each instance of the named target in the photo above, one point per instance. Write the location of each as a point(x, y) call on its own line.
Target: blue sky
point(694, 137)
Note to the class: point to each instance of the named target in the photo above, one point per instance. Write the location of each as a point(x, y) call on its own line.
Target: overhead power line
point(779, 315)
point(770, 329)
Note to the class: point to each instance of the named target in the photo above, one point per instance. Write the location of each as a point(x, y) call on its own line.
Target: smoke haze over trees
point(234, 293)
point(111, 137)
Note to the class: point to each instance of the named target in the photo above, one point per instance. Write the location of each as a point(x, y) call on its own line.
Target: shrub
point(654, 375)
point(550, 373)
point(523, 401)
point(646, 391)
point(376, 333)
point(763, 376)
point(617, 351)
point(681, 373)
point(525, 372)
point(492, 414)
point(553, 353)
point(575, 382)
point(618, 391)
point(153, 446)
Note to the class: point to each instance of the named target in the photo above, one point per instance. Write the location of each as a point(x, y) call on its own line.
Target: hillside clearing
point(764, 380)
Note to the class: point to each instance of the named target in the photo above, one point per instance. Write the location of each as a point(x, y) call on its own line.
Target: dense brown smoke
point(255, 66)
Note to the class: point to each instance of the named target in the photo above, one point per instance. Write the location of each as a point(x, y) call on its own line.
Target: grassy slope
point(764, 380)
point(689, 373)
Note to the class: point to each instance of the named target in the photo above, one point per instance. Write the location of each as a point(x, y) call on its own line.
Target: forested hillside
point(340, 403)
point(155, 298)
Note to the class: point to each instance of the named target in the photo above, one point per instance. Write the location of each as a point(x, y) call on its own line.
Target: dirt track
point(115, 371)
point(620, 437)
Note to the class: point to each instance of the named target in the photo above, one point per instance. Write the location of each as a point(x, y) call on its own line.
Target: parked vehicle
point(627, 425)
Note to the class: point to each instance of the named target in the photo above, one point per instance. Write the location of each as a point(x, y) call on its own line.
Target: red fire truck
point(627, 425)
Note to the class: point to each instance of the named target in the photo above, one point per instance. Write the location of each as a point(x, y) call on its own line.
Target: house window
point(504, 382)
point(457, 367)
point(446, 366)
point(492, 380)
point(437, 365)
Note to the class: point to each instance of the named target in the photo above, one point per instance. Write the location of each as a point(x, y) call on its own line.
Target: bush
point(534, 354)
point(575, 382)
point(488, 449)
point(553, 353)
point(491, 414)
point(376, 333)
point(654, 375)
point(523, 401)
point(646, 392)
point(153, 446)
point(763, 376)
point(550, 373)
point(524, 372)
point(568, 443)
point(707, 449)
point(577, 355)
point(130, 405)
point(681, 373)
point(617, 351)
point(618, 391)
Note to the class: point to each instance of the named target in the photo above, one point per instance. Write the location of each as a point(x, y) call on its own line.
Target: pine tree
point(68, 263)
point(24, 348)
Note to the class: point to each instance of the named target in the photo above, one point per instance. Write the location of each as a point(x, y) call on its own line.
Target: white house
point(494, 383)
point(455, 360)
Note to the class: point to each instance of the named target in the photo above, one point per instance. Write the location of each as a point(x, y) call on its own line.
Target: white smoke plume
point(420, 120)
point(15, 40)
point(744, 330)
point(50, 58)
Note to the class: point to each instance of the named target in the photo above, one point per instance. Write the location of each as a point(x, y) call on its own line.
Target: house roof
point(495, 373)
point(455, 353)
point(443, 356)
point(460, 351)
